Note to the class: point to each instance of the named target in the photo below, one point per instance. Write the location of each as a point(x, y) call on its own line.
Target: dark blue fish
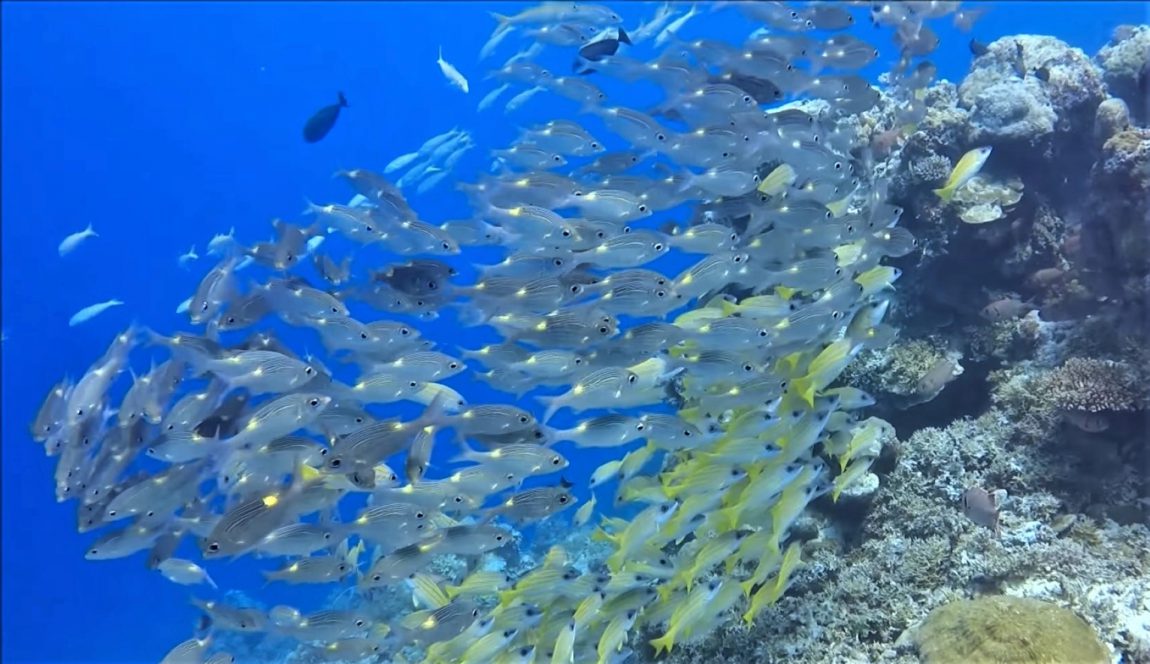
point(597, 50)
point(323, 120)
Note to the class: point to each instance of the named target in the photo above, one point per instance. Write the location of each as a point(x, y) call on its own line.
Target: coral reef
point(983, 200)
point(1026, 88)
point(1124, 63)
point(1112, 117)
point(1093, 385)
point(988, 630)
point(915, 550)
point(895, 371)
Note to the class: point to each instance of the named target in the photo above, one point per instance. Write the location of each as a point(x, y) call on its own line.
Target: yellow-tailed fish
point(966, 168)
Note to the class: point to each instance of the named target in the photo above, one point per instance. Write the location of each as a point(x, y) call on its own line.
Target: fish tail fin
point(688, 181)
point(623, 37)
point(805, 390)
point(504, 21)
point(342, 100)
point(727, 307)
point(466, 452)
point(945, 193)
point(553, 405)
point(665, 642)
point(91, 231)
point(728, 517)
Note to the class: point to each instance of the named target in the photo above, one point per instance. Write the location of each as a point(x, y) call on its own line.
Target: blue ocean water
point(164, 123)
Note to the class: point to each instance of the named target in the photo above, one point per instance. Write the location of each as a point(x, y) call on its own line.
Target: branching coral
point(1093, 386)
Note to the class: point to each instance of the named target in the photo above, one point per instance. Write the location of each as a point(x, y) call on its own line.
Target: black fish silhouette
point(598, 50)
point(324, 119)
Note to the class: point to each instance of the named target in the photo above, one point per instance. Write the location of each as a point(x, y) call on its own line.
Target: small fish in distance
point(91, 311)
point(451, 73)
point(190, 256)
point(324, 119)
point(69, 244)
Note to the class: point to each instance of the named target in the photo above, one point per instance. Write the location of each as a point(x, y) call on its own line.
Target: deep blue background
point(164, 123)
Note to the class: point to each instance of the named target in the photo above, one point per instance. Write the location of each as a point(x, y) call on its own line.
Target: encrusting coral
point(996, 629)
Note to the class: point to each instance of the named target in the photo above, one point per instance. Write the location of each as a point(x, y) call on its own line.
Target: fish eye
point(640, 426)
point(336, 462)
point(204, 307)
point(359, 420)
point(499, 538)
point(659, 246)
point(660, 136)
point(377, 577)
point(796, 414)
point(566, 233)
point(603, 330)
point(660, 293)
point(458, 499)
point(748, 367)
point(213, 547)
point(836, 315)
point(557, 159)
point(576, 289)
point(403, 331)
point(838, 165)
point(563, 499)
point(762, 333)
point(453, 365)
point(578, 361)
point(642, 208)
point(309, 371)
point(313, 402)
point(632, 378)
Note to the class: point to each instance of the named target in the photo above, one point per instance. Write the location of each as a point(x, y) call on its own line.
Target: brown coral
point(1094, 386)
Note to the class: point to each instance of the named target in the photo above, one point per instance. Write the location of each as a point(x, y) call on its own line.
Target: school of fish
point(716, 383)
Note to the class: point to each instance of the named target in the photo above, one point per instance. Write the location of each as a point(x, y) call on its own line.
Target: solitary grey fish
point(324, 119)
point(981, 507)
